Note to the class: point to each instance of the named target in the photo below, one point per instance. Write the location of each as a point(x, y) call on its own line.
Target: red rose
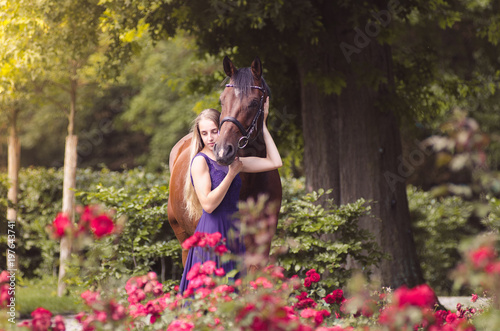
point(102, 225)
point(213, 239)
point(420, 296)
point(307, 282)
point(309, 272)
point(60, 225)
point(315, 277)
point(221, 250)
point(330, 298)
point(59, 324)
point(4, 295)
point(339, 295)
point(451, 318)
point(474, 298)
point(220, 272)
point(41, 319)
point(482, 256)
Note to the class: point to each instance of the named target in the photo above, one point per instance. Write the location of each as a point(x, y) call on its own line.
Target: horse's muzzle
point(225, 153)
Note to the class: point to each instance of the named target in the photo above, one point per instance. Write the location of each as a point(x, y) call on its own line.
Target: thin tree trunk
point(14, 155)
point(70, 158)
point(69, 185)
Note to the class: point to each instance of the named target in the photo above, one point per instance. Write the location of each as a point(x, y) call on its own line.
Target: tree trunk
point(70, 158)
point(355, 145)
point(69, 185)
point(14, 155)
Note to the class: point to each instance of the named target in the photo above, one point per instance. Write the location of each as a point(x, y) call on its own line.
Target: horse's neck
point(255, 148)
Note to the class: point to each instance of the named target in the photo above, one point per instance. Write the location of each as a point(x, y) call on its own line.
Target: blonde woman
point(212, 190)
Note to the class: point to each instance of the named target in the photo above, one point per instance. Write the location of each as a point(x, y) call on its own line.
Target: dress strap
point(207, 159)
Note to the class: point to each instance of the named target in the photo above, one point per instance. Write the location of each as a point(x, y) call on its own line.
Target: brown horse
point(241, 124)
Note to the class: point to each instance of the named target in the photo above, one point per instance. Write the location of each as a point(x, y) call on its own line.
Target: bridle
point(243, 142)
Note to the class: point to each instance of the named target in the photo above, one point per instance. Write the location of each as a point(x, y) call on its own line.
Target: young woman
point(212, 190)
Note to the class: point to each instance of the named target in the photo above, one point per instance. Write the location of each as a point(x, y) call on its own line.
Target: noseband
point(242, 143)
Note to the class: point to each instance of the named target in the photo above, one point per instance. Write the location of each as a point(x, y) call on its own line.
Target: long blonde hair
point(193, 206)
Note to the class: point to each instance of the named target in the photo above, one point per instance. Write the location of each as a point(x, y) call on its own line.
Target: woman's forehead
point(207, 125)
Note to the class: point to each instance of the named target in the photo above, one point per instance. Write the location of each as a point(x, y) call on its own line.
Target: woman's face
point(209, 132)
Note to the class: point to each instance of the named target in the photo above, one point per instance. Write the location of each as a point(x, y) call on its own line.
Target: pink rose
point(219, 272)
point(221, 250)
point(213, 239)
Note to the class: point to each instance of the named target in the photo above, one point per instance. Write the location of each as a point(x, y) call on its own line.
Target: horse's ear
point(257, 68)
point(229, 67)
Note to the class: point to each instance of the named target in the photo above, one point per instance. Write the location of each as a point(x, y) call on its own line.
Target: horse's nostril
point(229, 150)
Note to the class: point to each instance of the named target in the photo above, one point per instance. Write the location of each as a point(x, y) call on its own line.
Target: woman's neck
point(208, 152)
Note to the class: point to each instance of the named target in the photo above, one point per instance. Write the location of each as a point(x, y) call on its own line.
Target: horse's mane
point(243, 79)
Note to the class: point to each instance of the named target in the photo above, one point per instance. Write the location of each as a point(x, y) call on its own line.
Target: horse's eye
point(254, 104)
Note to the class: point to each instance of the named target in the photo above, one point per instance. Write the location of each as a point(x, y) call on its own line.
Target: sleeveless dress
point(220, 220)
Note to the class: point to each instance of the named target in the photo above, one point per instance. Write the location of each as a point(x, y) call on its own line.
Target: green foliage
point(324, 239)
point(174, 83)
point(141, 198)
point(42, 292)
point(40, 192)
point(438, 225)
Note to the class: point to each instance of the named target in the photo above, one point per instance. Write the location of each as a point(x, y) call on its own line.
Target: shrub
point(304, 237)
point(139, 196)
point(439, 223)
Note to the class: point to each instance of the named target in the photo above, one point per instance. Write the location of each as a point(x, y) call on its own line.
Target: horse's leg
point(253, 188)
point(179, 232)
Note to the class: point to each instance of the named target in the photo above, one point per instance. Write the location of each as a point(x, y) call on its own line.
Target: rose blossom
point(315, 277)
point(420, 296)
point(221, 250)
point(60, 225)
point(213, 239)
point(41, 319)
point(102, 225)
point(482, 256)
point(220, 272)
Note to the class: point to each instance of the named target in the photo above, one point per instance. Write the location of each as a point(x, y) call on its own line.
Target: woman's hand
point(235, 167)
point(266, 109)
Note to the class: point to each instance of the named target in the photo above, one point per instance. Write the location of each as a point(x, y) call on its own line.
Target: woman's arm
point(272, 160)
point(210, 199)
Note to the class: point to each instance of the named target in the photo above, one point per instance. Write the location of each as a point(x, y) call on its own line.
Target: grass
point(34, 293)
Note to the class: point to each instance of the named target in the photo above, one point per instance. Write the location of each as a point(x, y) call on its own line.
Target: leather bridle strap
point(242, 143)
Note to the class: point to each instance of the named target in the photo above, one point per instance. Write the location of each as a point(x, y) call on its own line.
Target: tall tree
point(172, 82)
point(18, 68)
point(73, 36)
point(350, 140)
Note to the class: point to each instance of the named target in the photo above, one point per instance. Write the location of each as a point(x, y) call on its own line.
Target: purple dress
point(220, 220)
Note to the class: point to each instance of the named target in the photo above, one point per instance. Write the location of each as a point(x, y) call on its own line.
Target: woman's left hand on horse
point(266, 109)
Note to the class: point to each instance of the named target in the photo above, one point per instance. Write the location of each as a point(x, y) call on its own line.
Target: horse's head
point(242, 113)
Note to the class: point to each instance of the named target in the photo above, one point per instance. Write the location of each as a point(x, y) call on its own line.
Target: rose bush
point(268, 300)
